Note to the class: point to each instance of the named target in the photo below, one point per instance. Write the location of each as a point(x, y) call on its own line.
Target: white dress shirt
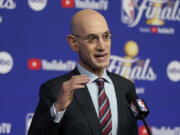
point(93, 90)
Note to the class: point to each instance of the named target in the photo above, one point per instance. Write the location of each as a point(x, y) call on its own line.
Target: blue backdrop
point(145, 49)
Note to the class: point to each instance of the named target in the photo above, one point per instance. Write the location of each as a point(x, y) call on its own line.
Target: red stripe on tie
point(102, 98)
point(106, 119)
point(108, 129)
point(104, 109)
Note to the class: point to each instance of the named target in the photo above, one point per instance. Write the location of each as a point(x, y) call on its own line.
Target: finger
point(79, 80)
point(78, 86)
point(73, 88)
point(69, 85)
point(80, 77)
point(76, 82)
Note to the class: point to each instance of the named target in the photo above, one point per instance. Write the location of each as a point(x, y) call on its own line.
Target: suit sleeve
point(42, 122)
point(134, 126)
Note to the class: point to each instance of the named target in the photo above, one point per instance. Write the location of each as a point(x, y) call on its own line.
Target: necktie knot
point(100, 83)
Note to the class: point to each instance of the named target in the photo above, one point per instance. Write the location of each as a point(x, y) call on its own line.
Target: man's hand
point(65, 95)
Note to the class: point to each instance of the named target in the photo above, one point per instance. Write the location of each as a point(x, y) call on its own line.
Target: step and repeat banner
point(145, 49)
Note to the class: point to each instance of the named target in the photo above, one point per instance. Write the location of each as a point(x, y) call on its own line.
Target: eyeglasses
point(94, 38)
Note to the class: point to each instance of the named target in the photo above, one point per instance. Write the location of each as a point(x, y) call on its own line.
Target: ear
point(72, 42)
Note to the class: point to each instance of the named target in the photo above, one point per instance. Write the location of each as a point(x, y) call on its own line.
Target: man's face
point(94, 46)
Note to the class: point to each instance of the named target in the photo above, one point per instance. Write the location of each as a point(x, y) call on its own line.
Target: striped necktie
point(104, 109)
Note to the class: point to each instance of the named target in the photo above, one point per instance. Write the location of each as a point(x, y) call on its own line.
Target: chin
point(102, 65)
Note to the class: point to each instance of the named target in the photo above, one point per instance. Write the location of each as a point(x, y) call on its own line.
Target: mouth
point(101, 57)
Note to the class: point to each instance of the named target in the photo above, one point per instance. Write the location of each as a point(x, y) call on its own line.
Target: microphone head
point(137, 105)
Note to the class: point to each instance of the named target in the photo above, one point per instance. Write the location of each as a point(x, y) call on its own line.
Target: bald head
point(85, 20)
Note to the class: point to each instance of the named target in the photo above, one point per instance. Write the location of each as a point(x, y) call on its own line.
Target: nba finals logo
point(130, 66)
point(155, 12)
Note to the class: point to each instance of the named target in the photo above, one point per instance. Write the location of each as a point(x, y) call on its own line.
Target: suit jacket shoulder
point(122, 81)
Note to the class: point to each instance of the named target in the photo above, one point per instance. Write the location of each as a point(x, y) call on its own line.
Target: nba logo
point(134, 109)
point(29, 117)
point(142, 105)
point(128, 11)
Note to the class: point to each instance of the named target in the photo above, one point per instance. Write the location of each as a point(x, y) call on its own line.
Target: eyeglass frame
point(96, 37)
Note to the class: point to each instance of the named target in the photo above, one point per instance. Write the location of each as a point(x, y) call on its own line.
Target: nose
point(101, 44)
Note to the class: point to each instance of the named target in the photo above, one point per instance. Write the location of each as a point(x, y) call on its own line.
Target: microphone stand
point(142, 117)
point(145, 124)
point(131, 98)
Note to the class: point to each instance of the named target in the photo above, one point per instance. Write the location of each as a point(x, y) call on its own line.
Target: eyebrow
point(92, 34)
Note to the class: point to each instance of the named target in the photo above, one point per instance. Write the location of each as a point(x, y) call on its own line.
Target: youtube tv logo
point(154, 29)
point(34, 64)
point(84, 4)
point(67, 3)
point(50, 65)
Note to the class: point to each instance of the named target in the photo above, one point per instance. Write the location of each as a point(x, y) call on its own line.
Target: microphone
point(138, 108)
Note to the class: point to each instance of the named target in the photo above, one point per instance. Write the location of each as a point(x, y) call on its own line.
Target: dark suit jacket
point(80, 117)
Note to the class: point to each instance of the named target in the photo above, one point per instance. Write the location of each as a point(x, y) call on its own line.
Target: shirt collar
point(91, 75)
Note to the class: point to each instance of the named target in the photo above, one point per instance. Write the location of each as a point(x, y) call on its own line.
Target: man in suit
point(89, 100)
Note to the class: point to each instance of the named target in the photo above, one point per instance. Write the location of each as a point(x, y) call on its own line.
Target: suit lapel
point(84, 100)
point(87, 107)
